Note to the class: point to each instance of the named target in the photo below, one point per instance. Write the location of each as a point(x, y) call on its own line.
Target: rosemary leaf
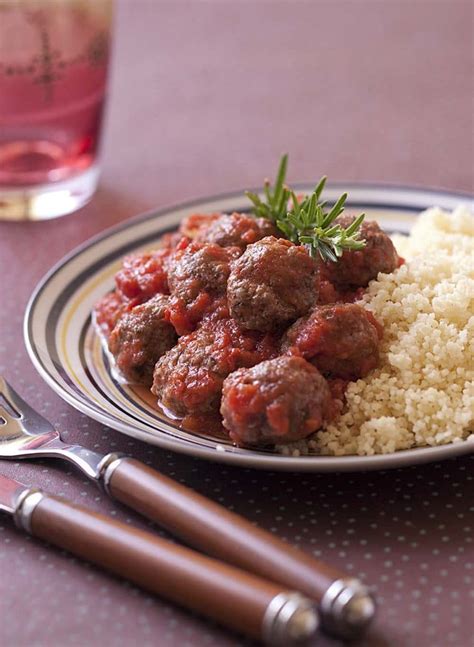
point(307, 222)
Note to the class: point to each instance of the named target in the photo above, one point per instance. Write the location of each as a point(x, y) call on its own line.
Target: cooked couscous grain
point(422, 393)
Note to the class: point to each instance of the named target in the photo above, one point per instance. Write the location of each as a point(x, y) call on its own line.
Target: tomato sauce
point(196, 222)
point(142, 276)
point(186, 316)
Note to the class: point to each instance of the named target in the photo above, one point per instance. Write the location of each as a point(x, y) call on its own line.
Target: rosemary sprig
point(276, 198)
point(308, 223)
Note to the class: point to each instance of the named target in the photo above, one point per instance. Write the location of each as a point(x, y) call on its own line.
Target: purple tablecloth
point(204, 98)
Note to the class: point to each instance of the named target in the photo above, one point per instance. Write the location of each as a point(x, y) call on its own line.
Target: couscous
point(422, 392)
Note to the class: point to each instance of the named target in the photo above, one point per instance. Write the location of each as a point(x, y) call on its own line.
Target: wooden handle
point(232, 597)
point(208, 526)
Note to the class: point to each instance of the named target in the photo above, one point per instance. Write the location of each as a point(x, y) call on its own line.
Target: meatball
point(197, 276)
point(237, 230)
point(356, 268)
point(273, 283)
point(276, 401)
point(200, 267)
point(341, 340)
point(143, 275)
point(188, 378)
point(140, 338)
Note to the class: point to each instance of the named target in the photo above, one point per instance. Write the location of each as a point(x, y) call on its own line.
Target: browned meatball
point(273, 283)
point(276, 401)
point(237, 230)
point(197, 278)
point(342, 340)
point(140, 338)
point(199, 267)
point(356, 268)
point(188, 378)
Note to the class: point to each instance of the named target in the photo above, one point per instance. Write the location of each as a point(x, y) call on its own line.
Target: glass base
point(45, 201)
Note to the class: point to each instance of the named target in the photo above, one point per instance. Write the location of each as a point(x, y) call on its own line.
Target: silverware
point(345, 604)
point(237, 599)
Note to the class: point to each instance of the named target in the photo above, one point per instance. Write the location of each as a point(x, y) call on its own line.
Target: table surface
point(204, 98)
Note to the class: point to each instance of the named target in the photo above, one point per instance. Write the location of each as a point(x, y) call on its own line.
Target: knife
point(239, 600)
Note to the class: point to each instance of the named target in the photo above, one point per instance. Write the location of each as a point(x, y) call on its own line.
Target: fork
point(346, 606)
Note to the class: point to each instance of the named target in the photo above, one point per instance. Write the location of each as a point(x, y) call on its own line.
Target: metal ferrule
point(26, 504)
point(290, 619)
point(107, 467)
point(347, 608)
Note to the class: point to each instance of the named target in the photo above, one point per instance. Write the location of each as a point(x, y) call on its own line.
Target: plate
point(67, 352)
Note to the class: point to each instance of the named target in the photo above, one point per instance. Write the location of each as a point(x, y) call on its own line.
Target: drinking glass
point(54, 57)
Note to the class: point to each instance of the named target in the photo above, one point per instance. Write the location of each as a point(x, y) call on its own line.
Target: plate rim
point(274, 462)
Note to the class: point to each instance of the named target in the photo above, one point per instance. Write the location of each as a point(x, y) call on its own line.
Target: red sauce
point(200, 424)
point(208, 424)
point(194, 223)
point(218, 311)
point(170, 240)
point(328, 293)
point(241, 348)
point(142, 276)
point(186, 316)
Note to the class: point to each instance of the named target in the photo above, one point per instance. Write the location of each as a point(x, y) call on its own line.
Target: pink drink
point(53, 72)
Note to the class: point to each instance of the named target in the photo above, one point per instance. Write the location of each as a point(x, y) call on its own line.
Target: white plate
point(68, 355)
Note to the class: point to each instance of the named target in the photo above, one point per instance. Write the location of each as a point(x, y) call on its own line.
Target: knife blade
point(11, 493)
